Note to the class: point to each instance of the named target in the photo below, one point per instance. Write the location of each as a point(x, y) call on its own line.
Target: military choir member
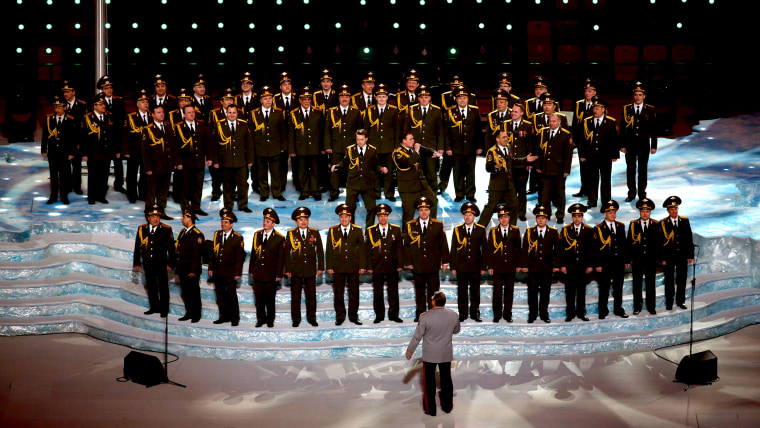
point(326, 98)
point(364, 168)
point(384, 251)
point(160, 95)
point(77, 109)
point(521, 137)
point(345, 260)
point(574, 251)
point(599, 148)
point(189, 248)
point(539, 252)
point(232, 152)
point(217, 116)
point(464, 142)
point(226, 268)
point(535, 105)
point(505, 87)
point(305, 261)
point(643, 245)
point(583, 109)
point(555, 157)
point(116, 106)
point(425, 121)
point(132, 147)
point(550, 107)
point(286, 101)
point(305, 133)
point(200, 100)
point(609, 256)
point(503, 257)
point(407, 97)
point(154, 255)
point(98, 148)
point(59, 139)
point(267, 267)
point(364, 99)
point(501, 188)
point(639, 134)
point(190, 140)
point(341, 124)
point(676, 252)
point(382, 125)
point(160, 159)
point(270, 140)
point(468, 243)
point(411, 180)
point(247, 99)
point(499, 115)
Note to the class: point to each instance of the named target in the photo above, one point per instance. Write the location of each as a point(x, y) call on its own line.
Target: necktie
point(201, 103)
point(541, 235)
point(361, 152)
point(539, 105)
point(60, 119)
point(246, 102)
point(638, 110)
point(303, 234)
point(504, 152)
point(424, 112)
point(266, 114)
point(369, 100)
point(577, 230)
point(145, 118)
point(675, 223)
point(424, 227)
point(381, 112)
point(232, 127)
point(158, 101)
point(306, 115)
point(464, 115)
point(345, 234)
point(552, 136)
point(612, 228)
point(468, 232)
point(596, 123)
point(645, 226)
point(152, 230)
point(344, 113)
point(192, 127)
point(224, 238)
point(266, 236)
point(504, 233)
point(383, 232)
point(181, 234)
point(514, 127)
point(287, 104)
point(411, 98)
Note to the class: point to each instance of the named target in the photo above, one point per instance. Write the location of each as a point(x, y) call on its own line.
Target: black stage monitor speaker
point(144, 369)
point(698, 369)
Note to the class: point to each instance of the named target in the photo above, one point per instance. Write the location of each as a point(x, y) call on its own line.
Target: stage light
point(134, 25)
point(596, 28)
point(20, 26)
point(165, 50)
point(250, 1)
point(423, 26)
point(19, 50)
point(194, 26)
point(366, 50)
point(449, 1)
point(306, 26)
point(281, 49)
point(509, 27)
point(278, 27)
point(220, 1)
point(108, 50)
point(78, 50)
point(137, 50)
point(189, 49)
point(565, 1)
point(395, 25)
point(683, 1)
point(679, 25)
point(220, 25)
point(48, 51)
point(338, 25)
point(305, 1)
point(393, 1)
point(595, 1)
point(19, 1)
point(49, 26)
point(279, 2)
point(653, 1)
point(251, 25)
point(251, 50)
point(509, 1)
point(108, 1)
point(108, 25)
point(49, 2)
point(164, 26)
point(481, 25)
point(422, 2)
point(538, 1)
point(163, 1)
point(479, 1)
point(453, 51)
point(222, 50)
point(77, 26)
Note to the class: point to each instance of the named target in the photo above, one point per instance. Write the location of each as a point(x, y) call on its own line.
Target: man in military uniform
point(154, 254)
point(448, 98)
point(233, 153)
point(160, 159)
point(341, 124)
point(116, 106)
point(521, 144)
point(200, 100)
point(499, 115)
point(285, 100)
point(160, 96)
point(503, 257)
point(381, 121)
point(500, 187)
point(216, 117)
point(363, 168)
point(504, 90)
point(176, 117)
point(189, 247)
point(190, 140)
point(555, 157)
point(574, 260)
point(643, 244)
point(226, 267)
point(639, 135)
point(411, 180)
point(599, 148)
point(267, 125)
point(676, 253)
point(346, 260)
point(539, 249)
point(384, 251)
point(425, 122)
point(468, 244)
point(58, 147)
point(609, 257)
point(132, 147)
point(535, 105)
point(583, 108)
point(305, 261)
point(247, 99)
point(325, 99)
point(463, 141)
point(98, 148)
point(362, 100)
point(408, 97)
point(550, 107)
point(77, 109)
point(427, 252)
point(267, 267)
point(305, 132)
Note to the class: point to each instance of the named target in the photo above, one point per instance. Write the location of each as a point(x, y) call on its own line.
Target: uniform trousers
point(464, 176)
point(468, 289)
point(97, 179)
point(520, 178)
point(193, 187)
point(503, 294)
point(640, 156)
point(600, 175)
point(340, 281)
point(264, 292)
point(674, 280)
point(60, 175)
point(157, 283)
point(368, 196)
point(539, 287)
point(269, 167)
point(496, 197)
point(447, 387)
point(386, 180)
point(309, 286)
point(308, 175)
point(576, 280)
point(644, 271)
point(225, 288)
point(425, 284)
point(158, 190)
point(553, 192)
point(191, 294)
point(611, 276)
point(378, 300)
point(235, 179)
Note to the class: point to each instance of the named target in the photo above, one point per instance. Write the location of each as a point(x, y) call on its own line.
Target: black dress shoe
point(270, 324)
point(669, 307)
point(461, 318)
point(546, 320)
point(51, 201)
point(472, 199)
point(280, 198)
point(166, 217)
point(357, 322)
point(78, 191)
point(317, 197)
point(397, 319)
point(601, 317)
point(184, 318)
point(219, 321)
point(132, 200)
point(391, 198)
point(622, 315)
point(637, 311)
point(245, 210)
point(377, 321)
point(65, 201)
point(91, 202)
point(195, 320)
point(302, 197)
point(583, 317)
point(477, 318)
point(652, 312)
point(459, 199)
point(259, 324)
point(531, 320)
point(150, 312)
point(568, 319)
point(629, 199)
point(214, 197)
point(263, 198)
point(416, 319)
point(314, 323)
point(201, 212)
point(164, 314)
point(682, 306)
point(235, 323)
point(295, 324)
point(508, 319)
point(495, 320)
point(103, 201)
point(579, 195)
point(590, 204)
point(120, 189)
point(332, 198)
point(339, 322)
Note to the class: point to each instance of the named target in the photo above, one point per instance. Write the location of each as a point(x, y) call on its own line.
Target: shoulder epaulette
point(144, 224)
point(411, 221)
point(316, 230)
point(370, 145)
point(432, 220)
point(357, 226)
point(479, 225)
point(625, 106)
point(69, 116)
point(610, 118)
point(552, 227)
point(560, 114)
point(647, 105)
point(236, 234)
point(434, 106)
point(276, 108)
point(685, 218)
point(165, 225)
point(585, 226)
point(634, 221)
point(278, 234)
point(391, 106)
point(242, 120)
point(316, 108)
point(373, 226)
point(653, 221)
point(393, 225)
point(470, 105)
